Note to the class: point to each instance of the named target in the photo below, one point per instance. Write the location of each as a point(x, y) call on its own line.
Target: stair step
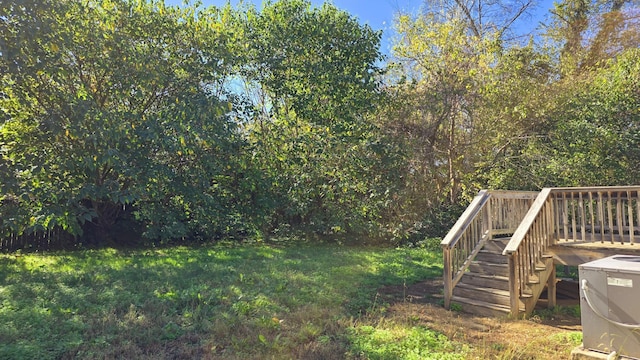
point(489, 295)
point(485, 268)
point(496, 245)
point(480, 307)
point(493, 258)
point(487, 281)
point(533, 279)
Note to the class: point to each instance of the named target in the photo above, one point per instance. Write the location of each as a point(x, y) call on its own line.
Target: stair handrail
point(528, 221)
point(451, 276)
point(463, 222)
point(528, 245)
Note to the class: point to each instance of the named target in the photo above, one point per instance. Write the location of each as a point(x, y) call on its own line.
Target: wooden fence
point(53, 239)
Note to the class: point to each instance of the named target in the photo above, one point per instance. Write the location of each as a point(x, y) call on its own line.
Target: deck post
point(447, 277)
point(551, 288)
point(514, 285)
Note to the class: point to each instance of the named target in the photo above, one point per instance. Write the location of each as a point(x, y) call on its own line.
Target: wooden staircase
point(499, 256)
point(484, 288)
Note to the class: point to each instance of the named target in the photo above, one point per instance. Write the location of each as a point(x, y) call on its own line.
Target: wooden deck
point(534, 230)
point(574, 253)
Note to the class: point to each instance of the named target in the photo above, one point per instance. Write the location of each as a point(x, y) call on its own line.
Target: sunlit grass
point(398, 341)
point(226, 302)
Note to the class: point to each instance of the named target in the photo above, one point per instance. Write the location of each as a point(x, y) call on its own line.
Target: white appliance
point(610, 305)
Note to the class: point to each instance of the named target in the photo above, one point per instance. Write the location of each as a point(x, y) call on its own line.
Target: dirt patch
point(551, 336)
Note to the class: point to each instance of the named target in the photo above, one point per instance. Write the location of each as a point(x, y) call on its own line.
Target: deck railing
point(491, 213)
point(587, 214)
point(601, 214)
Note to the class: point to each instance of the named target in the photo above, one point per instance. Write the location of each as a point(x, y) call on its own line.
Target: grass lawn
point(227, 302)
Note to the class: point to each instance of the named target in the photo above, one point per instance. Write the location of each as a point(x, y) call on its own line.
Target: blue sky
point(379, 14)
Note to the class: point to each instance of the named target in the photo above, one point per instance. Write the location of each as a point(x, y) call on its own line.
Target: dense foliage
point(187, 122)
point(476, 107)
point(128, 117)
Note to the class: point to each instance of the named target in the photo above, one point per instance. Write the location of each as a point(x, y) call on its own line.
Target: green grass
point(395, 341)
point(217, 301)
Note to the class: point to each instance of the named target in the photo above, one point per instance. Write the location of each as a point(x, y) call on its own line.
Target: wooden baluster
point(473, 236)
point(601, 215)
point(465, 251)
point(549, 220)
point(545, 222)
point(533, 247)
point(556, 217)
point(593, 221)
point(565, 219)
point(610, 214)
point(471, 239)
point(522, 263)
point(531, 255)
point(476, 234)
point(517, 212)
point(488, 224)
point(495, 218)
point(538, 240)
point(504, 215)
point(574, 230)
point(620, 217)
point(583, 224)
point(554, 220)
point(630, 215)
point(459, 253)
point(638, 208)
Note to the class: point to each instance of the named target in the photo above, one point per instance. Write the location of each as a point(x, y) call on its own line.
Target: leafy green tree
point(577, 133)
point(311, 75)
point(596, 137)
point(111, 108)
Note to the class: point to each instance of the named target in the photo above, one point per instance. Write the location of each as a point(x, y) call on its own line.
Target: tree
point(481, 18)
point(579, 135)
point(110, 107)
point(595, 139)
point(314, 70)
point(590, 32)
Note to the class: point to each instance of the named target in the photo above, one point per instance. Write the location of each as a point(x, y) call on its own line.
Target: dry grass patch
point(551, 336)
